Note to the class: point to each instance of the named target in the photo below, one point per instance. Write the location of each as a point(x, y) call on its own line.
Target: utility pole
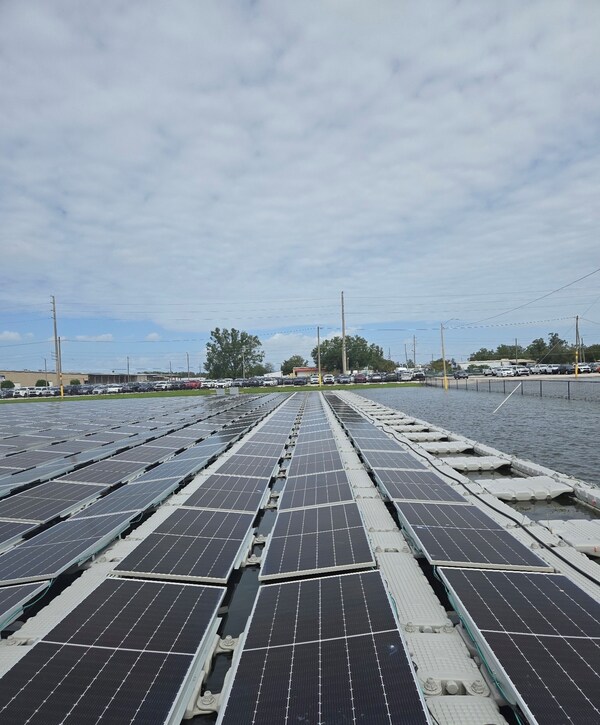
point(344, 370)
point(127, 368)
point(187, 356)
point(406, 354)
point(444, 357)
point(516, 352)
point(46, 372)
point(243, 363)
point(170, 369)
point(319, 352)
point(414, 352)
point(60, 378)
point(56, 342)
point(577, 345)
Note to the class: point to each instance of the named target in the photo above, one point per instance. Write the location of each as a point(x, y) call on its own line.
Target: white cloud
point(153, 337)
point(8, 336)
point(240, 165)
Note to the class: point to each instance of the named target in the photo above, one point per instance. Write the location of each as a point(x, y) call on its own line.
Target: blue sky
point(167, 169)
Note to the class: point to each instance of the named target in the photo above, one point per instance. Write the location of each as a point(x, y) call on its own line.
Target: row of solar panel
point(52, 551)
point(538, 631)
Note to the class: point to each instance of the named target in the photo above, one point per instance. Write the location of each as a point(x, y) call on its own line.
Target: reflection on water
point(559, 434)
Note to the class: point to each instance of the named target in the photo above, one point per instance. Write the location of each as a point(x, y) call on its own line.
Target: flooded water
point(560, 434)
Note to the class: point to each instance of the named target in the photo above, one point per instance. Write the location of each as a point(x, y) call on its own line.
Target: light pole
point(444, 351)
point(319, 353)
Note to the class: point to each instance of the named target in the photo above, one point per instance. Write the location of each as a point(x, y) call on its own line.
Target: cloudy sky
point(169, 168)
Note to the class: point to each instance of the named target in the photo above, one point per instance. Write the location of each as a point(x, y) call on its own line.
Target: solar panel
point(193, 545)
point(54, 550)
point(380, 443)
point(272, 450)
point(315, 463)
point(315, 489)
point(389, 459)
point(14, 598)
point(232, 493)
point(321, 651)
point(541, 635)
point(416, 485)
point(239, 465)
point(144, 454)
point(28, 459)
point(48, 500)
point(311, 447)
point(12, 531)
point(126, 654)
point(104, 472)
point(465, 535)
point(312, 540)
point(131, 498)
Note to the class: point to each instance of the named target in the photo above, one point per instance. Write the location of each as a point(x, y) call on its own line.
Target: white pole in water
point(507, 397)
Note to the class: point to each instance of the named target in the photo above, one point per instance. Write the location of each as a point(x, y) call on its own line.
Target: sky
point(170, 168)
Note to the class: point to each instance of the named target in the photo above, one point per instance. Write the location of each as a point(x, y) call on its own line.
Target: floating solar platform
point(130, 652)
point(316, 540)
point(582, 534)
point(315, 463)
point(239, 465)
point(392, 459)
point(323, 650)
point(191, 545)
point(460, 535)
point(131, 497)
point(540, 637)
point(532, 488)
point(14, 598)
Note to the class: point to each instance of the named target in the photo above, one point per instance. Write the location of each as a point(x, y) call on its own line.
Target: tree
point(537, 349)
point(75, 381)
point(231, 353)
point(7, 385)
point(508, 352)
point(296, 361)
point(483, 354)
point(41, 383)
point(360, 354)
point(438, 365)
point(256, 371)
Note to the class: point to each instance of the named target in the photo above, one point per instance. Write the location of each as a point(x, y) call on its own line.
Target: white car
point(328, 379)
point(314, 379)
point(114, 388)
point(270, 382)
point(505, 372)
point(584, 368)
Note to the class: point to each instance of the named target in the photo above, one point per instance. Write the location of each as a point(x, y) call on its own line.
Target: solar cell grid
point(315, 463)
point(465, 535)
point(55, 549)
point(29, 459)
point(324, 445)
point(48, 500)
point(130, 498)
point(143, 454)
point(119, 684)
point(11, 531)
point(319, 651)
point(271, 450)
point(315, 489)
point(544, 633)
point(240, 465)
point(396, 459)
point(192, 544)
point(310, 540)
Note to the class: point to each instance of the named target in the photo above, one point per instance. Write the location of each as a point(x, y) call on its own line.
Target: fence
point(571, 389)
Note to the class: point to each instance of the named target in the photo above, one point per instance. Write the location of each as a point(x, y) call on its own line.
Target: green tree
point(75, 381)
point(230, 353)
point(359, 353)
point(591, 353)
point(41, 383)
point(537, 349)
point(438, 366)
point(508, 352)
point(483, 354)
point(559, 350)
point(296, 361)
point(7, 385)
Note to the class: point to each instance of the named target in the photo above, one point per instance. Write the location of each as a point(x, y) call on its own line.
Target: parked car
point(300, 381)
point(114, 388)
point(344, 379)
point(566, 369)
point(391, 377)
point(360, 378)
point(488, 371)
point(504, 372)
point(418, 375)
point(314, 379)
point(461, 374)
point(328, 379)
point(521, 370)
point(99, 390)
point(584, 368)
point(375, 378)
point(535, 369)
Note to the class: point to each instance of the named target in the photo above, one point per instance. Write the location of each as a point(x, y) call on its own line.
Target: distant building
point(304, 372)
